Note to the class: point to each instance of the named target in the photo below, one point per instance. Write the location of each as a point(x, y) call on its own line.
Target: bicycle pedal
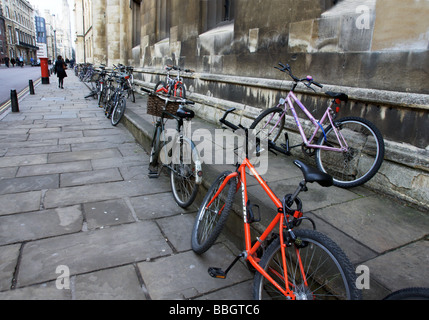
point(217, 273)
point(153, 175)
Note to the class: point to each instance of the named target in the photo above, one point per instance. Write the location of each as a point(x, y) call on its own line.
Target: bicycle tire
point(118, 111)
point(267, 120)
point(159, 85)
point(180, 91)
point(363, 158)
point(208, 222)
point(314, 248)
point(111, 103)
point(182, 174)
point(101, 95)
point(409, 294)
point(155, 148)
point(131, 94)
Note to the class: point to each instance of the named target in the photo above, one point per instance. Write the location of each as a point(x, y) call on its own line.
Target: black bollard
point(30, 84)
point(14, 101)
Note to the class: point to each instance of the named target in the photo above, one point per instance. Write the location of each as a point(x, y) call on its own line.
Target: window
point(162, 19)
point(216, 12)
point(136, 7)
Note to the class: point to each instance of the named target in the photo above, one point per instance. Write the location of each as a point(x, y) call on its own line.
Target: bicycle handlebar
point(170, 67)
point(308, 79)
point(173, 99)
point(229, 124)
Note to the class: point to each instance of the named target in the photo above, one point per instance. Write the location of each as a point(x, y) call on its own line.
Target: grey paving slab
point(44, 291)
point(190, 277)
point(100, 192)
point(111, 284)
point(8, 260)
point(44, 169)
point(83, 155)
point(158, 205)
point(23, 160)
point(41, 224)
point(15, 185)
point(90, 251)
point(177, 230)
point(89, 177)
point(402, 268)
point(377, 222)
point(38, 150)
point(20, 202)
point(107, 213)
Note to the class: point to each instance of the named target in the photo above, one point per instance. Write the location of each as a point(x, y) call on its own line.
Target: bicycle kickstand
point(219, 273)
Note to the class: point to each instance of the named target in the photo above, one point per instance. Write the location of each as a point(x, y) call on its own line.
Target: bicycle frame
point(279, 219)
point(195, 155)
point(310, 143)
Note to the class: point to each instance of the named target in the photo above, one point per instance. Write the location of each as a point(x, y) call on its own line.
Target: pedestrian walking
point(13, 61)
point(60, 70)
point(21, 61)
point(6, 61)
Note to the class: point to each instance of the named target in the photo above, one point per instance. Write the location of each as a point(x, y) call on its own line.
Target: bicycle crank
point(218, 273)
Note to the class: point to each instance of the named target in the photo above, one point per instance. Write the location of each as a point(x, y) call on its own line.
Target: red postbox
point(45, 70)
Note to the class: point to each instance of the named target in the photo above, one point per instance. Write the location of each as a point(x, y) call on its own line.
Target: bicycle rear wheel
point(183, 175)
point(269, 124)
point(409, 294)
point(119, 111)
point(364, 155)
point(210, 220)
point(154, 162)
point(328, 272)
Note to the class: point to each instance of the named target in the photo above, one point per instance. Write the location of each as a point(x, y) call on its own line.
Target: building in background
point(58, 32)
point(20, 29)
point(3, 40)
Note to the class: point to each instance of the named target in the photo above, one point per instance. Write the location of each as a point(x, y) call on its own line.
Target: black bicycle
point(117, 102)
point(173, 149)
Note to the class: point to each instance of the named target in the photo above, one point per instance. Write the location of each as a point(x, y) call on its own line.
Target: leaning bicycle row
point(111, 88)
point(289, 262)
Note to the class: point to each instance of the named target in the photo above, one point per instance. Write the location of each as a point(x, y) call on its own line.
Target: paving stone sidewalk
point(74, 192)
point(76, 198)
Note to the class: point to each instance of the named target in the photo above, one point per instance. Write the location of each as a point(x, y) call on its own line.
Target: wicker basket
point(156, 105)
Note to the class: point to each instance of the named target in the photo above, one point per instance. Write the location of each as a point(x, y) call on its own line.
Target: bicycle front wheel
point(317, 269)
point(180, 91)
point(101, 95)
point(269, 124)
point(184, 171)
point(363, 157)
point(211, 219)
point(119, 111)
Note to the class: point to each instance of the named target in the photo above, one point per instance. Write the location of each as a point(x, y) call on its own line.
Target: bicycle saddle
point(338, 95)
point(185, 113)
point(313, 175)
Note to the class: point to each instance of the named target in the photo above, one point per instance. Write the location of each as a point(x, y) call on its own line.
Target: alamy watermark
point(216, 147)
point(364, 20)
point(63, 280)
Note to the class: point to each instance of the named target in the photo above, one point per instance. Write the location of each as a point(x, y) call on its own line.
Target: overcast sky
point(53, 5)
point(55, 8)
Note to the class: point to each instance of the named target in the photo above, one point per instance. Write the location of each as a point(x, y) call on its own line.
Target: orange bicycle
point(293, 264)
point(172, 86)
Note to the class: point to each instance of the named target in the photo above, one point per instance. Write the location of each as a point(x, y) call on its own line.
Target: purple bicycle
point(350, 149)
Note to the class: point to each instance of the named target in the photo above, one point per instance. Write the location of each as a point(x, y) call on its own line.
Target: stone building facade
point(376, 51)
point(20, 29)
